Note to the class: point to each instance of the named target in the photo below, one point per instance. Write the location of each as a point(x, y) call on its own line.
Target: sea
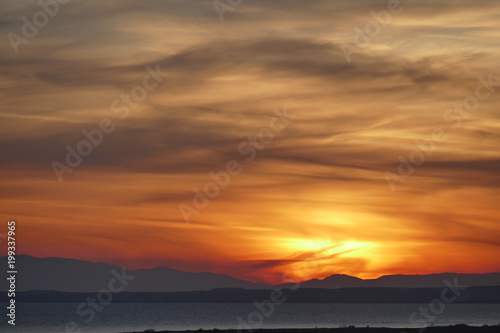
point(138, 317)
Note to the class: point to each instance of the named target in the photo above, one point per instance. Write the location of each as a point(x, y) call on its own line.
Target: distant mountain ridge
point(71, 275)
point(74, 275)
point(403, 281)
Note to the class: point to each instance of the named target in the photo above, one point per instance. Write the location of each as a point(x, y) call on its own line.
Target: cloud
point(321, 177)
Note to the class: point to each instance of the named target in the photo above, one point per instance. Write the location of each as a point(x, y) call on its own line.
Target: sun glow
point(325, 247)
point(323, 257)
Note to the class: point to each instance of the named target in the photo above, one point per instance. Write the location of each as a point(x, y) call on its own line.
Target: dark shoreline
point(377, 295)
point(351, 329)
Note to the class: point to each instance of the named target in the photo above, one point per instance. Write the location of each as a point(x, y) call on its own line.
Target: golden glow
point(314, 201)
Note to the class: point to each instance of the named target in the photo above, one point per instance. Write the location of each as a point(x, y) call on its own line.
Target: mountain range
point(71, 275)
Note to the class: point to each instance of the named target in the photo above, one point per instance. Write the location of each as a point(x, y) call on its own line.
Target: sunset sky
point(315, 200)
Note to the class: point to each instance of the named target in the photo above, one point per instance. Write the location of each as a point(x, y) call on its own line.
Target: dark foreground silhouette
point(351, 329)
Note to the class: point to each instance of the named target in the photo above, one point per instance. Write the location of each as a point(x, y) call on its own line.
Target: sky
point(349, 137)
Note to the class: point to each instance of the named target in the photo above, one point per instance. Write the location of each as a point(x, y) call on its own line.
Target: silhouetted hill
point(401, 281)
point(335, 281)
point(435, 280)
point(82, 276)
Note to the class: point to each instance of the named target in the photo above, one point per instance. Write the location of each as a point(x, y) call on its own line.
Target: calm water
point(120, 317)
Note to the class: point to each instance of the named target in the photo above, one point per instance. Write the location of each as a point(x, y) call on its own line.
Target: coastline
point(432, 329)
